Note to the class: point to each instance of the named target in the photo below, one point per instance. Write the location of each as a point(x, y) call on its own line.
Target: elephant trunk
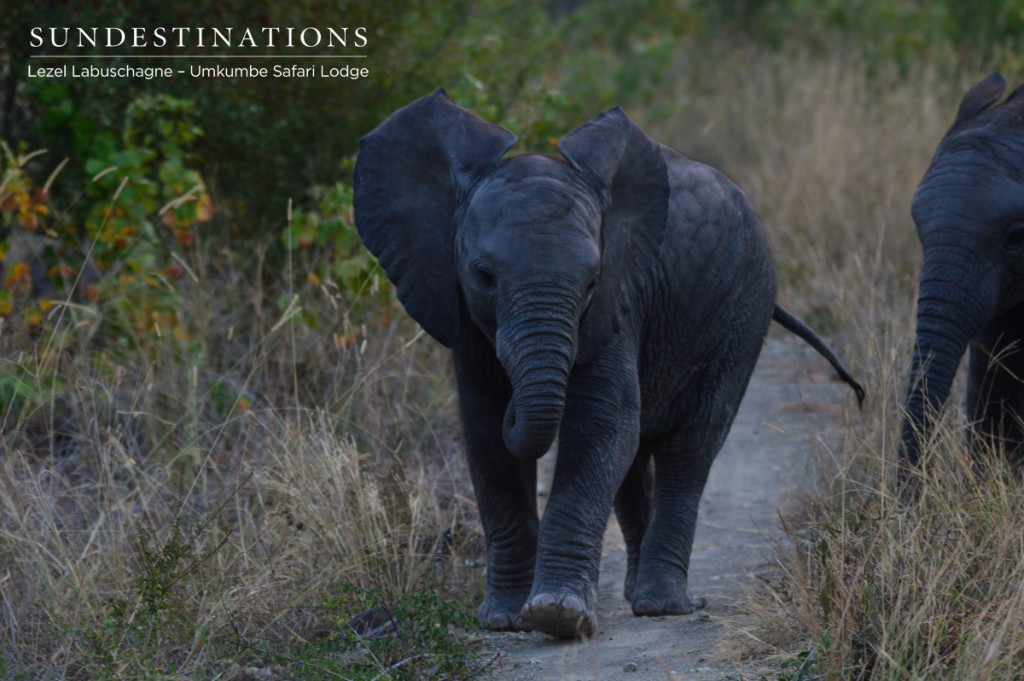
point(956, 299)
point(537, 349)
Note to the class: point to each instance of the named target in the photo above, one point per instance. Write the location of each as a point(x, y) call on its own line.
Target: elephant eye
point(485, 277)
point(1013, 240)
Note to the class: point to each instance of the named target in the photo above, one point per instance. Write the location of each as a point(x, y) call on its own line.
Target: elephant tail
point(797, 327)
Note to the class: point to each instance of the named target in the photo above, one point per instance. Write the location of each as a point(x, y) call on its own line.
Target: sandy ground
point(790, 409)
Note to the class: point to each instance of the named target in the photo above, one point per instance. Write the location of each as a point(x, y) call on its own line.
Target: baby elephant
point(618, 298)
point(969, 211)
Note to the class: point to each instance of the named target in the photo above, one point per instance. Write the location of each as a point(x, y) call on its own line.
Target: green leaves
point(326, 251)
point(375, 635)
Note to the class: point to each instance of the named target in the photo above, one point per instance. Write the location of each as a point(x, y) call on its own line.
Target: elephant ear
point(1015, 101)
point(979, 98)
point(628, 172)
point(411, 174)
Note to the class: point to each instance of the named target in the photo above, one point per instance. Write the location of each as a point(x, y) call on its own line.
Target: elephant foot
point(502, 614)
point(629, 586)
point(663, 592)
point(562, 615)
point(649, 604)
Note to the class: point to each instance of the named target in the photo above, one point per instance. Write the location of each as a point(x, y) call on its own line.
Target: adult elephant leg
point(597, 444)
point(505, 488)
point(633, 511)
point(995, 384)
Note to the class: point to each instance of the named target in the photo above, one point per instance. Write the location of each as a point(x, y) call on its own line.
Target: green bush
point(415, 636)
point(117, 249)
point(535, 69)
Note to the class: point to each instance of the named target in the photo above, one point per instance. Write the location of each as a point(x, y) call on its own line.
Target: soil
point(791, 409)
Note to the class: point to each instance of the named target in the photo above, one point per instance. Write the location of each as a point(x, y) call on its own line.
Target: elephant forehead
point(525, 239)
point(980, 156)
point(974, 188)
point(542, 201)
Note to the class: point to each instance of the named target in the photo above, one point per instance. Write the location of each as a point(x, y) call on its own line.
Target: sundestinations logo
point(198, 36)
point(198, 52)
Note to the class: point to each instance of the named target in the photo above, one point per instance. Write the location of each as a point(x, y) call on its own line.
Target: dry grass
point(871, 588)
point(181, 518)
point(830, 152)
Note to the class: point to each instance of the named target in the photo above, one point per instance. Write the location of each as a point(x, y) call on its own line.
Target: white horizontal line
point(197, 56)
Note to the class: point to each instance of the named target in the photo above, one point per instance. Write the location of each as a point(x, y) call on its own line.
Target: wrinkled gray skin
point(969, 211)
point(571, 292)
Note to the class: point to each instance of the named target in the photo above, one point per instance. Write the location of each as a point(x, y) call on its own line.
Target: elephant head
point(529, 251)
point(969, 212)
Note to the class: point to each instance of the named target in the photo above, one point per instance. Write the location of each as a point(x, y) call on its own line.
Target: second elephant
point(618, 298)
point(969, 212)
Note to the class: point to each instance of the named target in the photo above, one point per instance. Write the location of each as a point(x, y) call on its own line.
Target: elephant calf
point(618, 298)
point(969, 212)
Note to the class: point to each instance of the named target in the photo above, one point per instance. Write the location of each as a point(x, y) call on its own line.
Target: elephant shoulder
point(701, 194)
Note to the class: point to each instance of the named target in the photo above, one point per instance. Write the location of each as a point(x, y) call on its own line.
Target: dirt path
point(791, 403)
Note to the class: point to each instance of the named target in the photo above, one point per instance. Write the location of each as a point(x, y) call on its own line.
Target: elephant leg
point(506, 494)
point(633, 511)
point(995, 385)
point(597, 444)
point(682, 462)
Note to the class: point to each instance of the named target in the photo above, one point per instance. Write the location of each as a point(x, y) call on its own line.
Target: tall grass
point(208, 513)
point(830, 150)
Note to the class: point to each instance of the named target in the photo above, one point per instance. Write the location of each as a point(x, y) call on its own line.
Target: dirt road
point(792, 405)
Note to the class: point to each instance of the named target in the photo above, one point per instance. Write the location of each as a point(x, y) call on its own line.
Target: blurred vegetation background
point(201, 368)
point(248, 148)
